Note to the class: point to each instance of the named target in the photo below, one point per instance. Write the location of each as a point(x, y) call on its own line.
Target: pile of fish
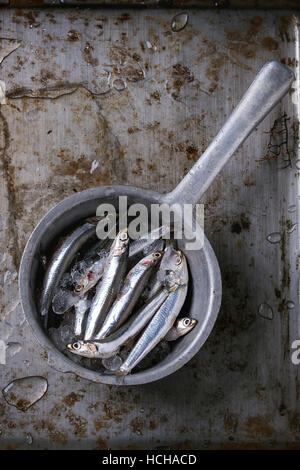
point(115, 300)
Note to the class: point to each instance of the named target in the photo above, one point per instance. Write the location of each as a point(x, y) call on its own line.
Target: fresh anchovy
point(162, 321)
point(110, 346)
point(132, 288)
point(180, 328)
point(159, 277)
point(62, 259)
point(80, 310)
point(109, 287)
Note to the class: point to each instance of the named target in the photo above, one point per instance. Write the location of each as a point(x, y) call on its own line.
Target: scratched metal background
point(241, 390)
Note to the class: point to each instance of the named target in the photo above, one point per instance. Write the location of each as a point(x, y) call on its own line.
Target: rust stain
point(100, 444)
point(285, 23)
point(270, 44)
point(88, 55)
point(242, 224)
point(101, 423)
point(213, 71)
point(180, 76)
point(230, 423)
point(290, 61)
point(57, 436)
point(78, 423)
point(156, 96)
point(13, 208)
point(72, 398)
point(73, 35)
point(122, 18)
point(245, 44)
point(137, 425)
point(258, 426)
point(133, 130)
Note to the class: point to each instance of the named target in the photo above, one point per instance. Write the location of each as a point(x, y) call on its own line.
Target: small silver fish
point(129, 295)
point(180, 328)
point(110, 346)
point(109, 287)
point(164, 318)
point(62, 259)
point(159, 277)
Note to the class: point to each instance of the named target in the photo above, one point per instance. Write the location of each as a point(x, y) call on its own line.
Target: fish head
point(80, 287)
point(176, 271)
point(121, 243)
point(83, 348)
point(181, 268)
point(153, 258)
point(185, 325)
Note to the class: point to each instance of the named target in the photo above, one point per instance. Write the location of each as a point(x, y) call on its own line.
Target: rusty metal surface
point(241, 390)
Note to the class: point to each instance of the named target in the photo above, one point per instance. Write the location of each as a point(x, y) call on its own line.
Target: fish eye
point(76, 346)
point(78, 288)
point(178, 260)
point(156, 255)
point(124, 236)
point(186, 322)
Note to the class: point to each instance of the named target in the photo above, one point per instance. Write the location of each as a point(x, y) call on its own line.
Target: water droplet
point(142, 410)
point(29, 438)
point(13, 348)
point(23, 393)
point(265, 311)
point(290, 304)
point(292, 228)
point(274, 237)
point(112, 363)
point(27, 363)
point(179, 22)
point(292, 208)
point(119, 84)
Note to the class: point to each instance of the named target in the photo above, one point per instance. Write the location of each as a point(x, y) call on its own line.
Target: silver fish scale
point(61, 260)
point(129, 295)
point(107, 291)
point(108, 347)
point(157, 329)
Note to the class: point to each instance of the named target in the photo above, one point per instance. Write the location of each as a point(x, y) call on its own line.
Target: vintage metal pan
point(270, 85)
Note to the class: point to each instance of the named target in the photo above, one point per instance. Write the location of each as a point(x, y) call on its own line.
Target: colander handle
point(270, 85)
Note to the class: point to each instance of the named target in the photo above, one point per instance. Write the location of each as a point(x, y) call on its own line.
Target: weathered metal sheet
point(63, 112)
